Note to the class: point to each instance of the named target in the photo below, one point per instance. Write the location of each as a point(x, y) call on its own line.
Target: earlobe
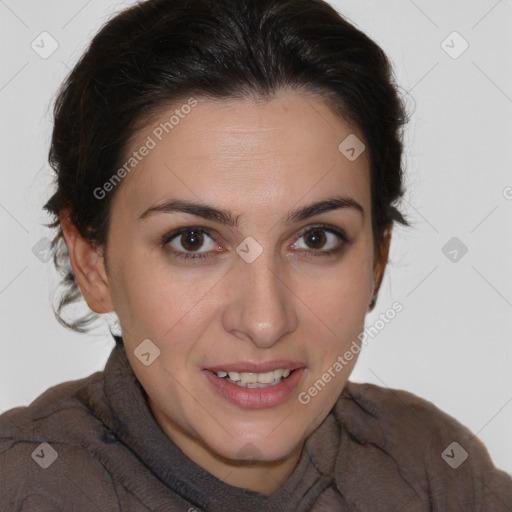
point(87, 262)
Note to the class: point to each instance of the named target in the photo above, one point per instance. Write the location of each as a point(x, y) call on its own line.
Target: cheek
point(340, 305)
point(340, 297)
point(140, 294)
point(153, 299)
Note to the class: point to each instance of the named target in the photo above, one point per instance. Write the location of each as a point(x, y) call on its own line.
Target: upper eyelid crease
point(229, 219)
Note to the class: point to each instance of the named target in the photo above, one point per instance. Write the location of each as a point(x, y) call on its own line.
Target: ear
point(380, 262)
point(87, 262)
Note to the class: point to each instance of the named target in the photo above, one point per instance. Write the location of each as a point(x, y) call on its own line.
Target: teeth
point(265, 378)
point(255, 380)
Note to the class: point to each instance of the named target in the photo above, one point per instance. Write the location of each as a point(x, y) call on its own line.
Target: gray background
point(450, 344)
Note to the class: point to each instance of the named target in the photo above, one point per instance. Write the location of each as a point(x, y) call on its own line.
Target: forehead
point(247, 152)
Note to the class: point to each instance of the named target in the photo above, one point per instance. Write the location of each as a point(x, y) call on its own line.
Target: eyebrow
point(228, 218)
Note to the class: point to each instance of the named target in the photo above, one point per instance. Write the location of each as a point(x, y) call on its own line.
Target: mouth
point(255, 380)
point(256, 386)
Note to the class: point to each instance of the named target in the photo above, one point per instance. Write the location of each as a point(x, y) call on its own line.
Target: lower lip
point(255, 398)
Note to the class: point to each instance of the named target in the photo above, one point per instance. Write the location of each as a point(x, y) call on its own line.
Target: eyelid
point(187, 256)
point(179, 231)
point(339, 233)
point(168, 237)
point(326, 227)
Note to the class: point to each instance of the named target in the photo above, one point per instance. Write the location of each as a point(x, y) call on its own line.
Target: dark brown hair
point(162, 51)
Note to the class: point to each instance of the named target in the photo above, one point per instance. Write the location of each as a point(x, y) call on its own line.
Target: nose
point(261, 306)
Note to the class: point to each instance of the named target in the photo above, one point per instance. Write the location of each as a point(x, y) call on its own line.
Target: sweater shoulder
point(399, 419)
point(388, 404)
point(406, 435)
point(58, 407)
point(43, 444)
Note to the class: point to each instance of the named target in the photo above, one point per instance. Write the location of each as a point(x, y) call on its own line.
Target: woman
point(227, 180)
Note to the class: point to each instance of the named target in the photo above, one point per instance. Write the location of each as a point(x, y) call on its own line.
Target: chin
point(257, 446)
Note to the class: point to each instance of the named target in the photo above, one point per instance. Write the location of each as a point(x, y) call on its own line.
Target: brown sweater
point(378, 450)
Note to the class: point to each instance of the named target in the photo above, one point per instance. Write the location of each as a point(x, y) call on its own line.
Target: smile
point(255, 380)
point(273, 385)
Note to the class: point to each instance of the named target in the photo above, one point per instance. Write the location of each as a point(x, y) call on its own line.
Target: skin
point(260, 160)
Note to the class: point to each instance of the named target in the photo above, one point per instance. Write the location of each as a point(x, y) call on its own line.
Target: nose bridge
point(262, 308)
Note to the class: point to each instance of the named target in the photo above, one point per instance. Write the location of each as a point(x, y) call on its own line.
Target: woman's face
point(265, 288)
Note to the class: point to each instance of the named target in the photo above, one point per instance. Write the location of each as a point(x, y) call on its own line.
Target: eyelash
point(205, 255)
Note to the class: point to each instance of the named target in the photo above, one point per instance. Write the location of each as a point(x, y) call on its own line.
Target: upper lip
point(248, 367)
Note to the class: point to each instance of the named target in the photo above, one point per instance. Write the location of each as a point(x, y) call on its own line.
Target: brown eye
point(321, 241)
point(315, 239)
point(191, 241)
